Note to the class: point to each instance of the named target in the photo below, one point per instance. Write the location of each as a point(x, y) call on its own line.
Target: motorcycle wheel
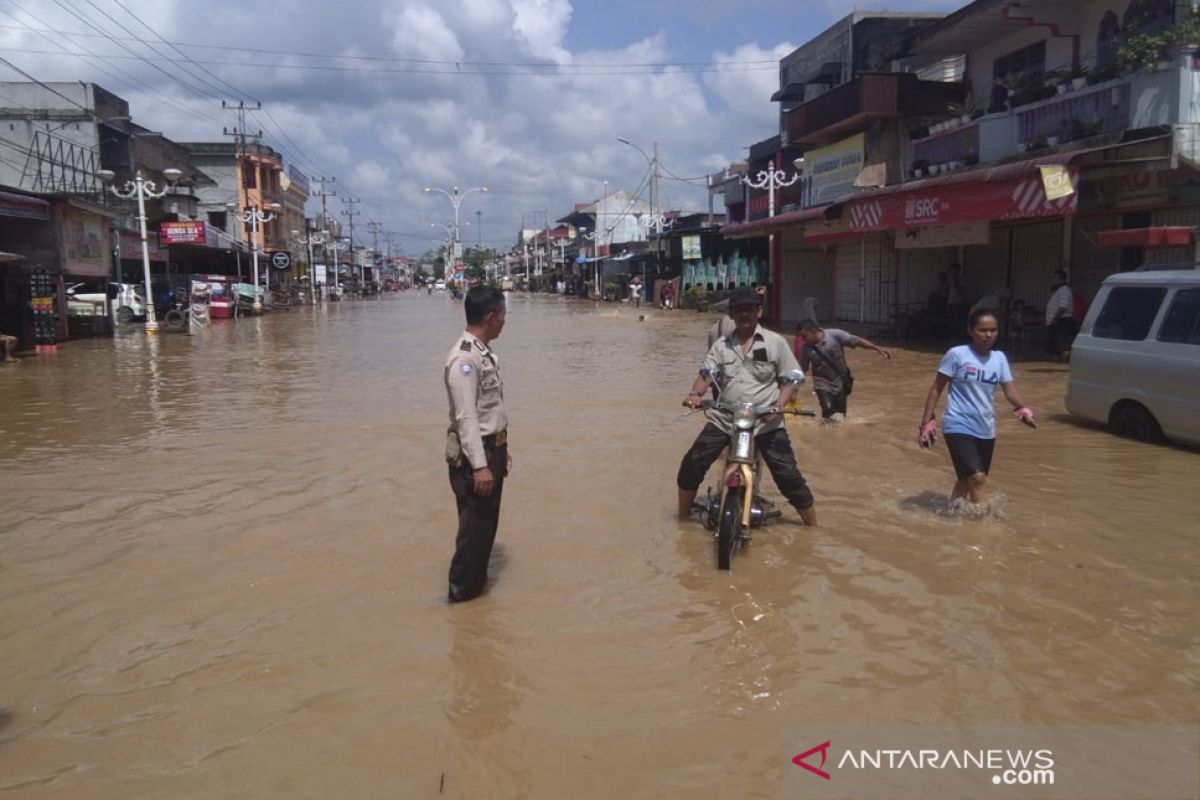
point(729, 530)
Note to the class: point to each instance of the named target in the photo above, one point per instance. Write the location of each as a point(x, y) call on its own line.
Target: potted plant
point(967, 110)
point(919, 168)
point(1038, 143)
point(1104, 72)
point(1077, 76)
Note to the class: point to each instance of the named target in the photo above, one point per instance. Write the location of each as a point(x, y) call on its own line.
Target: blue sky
point(343, 103)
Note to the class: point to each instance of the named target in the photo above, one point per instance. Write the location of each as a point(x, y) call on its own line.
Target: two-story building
point(58, 143)
point(1010, 138)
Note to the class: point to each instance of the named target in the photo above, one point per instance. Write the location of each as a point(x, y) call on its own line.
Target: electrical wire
point(761, 63)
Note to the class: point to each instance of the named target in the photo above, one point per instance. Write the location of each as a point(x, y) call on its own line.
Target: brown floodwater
point(223, 563)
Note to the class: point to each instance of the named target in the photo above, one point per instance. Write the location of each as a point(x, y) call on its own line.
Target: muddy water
point(223, 561)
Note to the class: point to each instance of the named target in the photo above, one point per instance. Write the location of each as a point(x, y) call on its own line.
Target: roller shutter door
point(1091, 263)
point(1037, 252)
point(849, 283)
point(1185, 257)
point(985, 266)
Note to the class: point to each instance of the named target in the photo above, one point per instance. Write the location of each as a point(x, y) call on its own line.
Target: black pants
point(832, 403)
point(776, 450)
point(1060, 335)
point(477, 521)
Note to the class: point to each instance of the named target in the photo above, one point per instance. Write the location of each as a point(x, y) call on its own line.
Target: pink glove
point(928, 433)
point(1025, 414)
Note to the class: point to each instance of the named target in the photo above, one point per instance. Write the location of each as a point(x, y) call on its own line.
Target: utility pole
point(351, 212)
point(375, 229)
point(323, 194)
point(239, 134)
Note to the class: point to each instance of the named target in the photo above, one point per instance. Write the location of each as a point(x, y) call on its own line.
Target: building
point(1013, 141)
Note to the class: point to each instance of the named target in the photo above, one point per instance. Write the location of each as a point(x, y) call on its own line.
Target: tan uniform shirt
point(476, 396)
point(752, 377)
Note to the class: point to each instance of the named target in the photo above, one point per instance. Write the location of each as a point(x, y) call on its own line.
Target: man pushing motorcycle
point(748, 366)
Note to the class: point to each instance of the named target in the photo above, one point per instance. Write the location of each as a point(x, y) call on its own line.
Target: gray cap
point(744, 296)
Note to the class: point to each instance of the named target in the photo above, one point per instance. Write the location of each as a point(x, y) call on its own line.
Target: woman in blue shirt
point(973, 371)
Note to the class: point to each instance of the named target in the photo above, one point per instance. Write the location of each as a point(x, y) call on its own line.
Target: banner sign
point(691, 247)
point(958, 234)
point(186, 232)
point(1021, 198)
point(200, 297)
point(831, 170)
point(1055, 182)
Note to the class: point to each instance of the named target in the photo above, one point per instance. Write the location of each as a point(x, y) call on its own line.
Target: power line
point(771, 63)
point(564, 70)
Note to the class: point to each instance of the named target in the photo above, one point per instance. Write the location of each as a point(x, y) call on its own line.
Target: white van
point(1135, 364)
point(128, 300)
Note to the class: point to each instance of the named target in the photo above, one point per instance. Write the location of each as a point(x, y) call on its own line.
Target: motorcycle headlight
point(744, 417)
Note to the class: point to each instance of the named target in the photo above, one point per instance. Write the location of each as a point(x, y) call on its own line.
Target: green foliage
point(1143, 51)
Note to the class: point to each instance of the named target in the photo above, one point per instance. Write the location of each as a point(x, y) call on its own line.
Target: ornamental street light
point(595, 240)
point(313, 238)
point(451, 234)
point(771, 179)
point(141, 189)
point(456, 201)
point(255, 217)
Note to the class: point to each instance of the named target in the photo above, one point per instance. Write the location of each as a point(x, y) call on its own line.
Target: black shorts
point(970, 455)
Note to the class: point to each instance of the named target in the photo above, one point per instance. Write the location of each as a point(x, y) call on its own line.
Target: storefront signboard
point(961, 234)
point(831, 170)
point(184, 232)
point(691, 247)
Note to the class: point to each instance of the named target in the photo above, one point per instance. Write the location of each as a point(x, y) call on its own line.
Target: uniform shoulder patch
point(465, 346)
point(466, 369)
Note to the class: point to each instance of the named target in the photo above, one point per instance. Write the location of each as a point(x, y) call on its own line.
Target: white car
point(86, 299)
point(440, 286)
point(1135, 364)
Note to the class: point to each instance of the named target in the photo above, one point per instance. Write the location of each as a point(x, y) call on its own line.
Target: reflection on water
point(223, 560)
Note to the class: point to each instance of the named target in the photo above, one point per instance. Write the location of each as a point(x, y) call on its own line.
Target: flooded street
point(223, 567)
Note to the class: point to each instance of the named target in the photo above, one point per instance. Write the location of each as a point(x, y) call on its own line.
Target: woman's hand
point(1025, 414)
point(928, 434)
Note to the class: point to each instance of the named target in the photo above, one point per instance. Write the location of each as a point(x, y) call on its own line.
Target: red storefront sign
point(187, 232)
point(1020, 198)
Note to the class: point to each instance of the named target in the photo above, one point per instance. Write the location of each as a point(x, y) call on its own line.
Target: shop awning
point(761, 227)
point(23, 207)
point(1170, 236)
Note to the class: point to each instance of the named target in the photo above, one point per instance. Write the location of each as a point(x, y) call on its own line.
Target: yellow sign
point(832, 169)
point(1056, 182)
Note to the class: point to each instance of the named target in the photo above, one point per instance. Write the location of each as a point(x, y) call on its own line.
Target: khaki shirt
point(753, 377)
point(476, 396)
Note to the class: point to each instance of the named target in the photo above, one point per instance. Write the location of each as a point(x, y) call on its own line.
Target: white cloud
point(388, 127)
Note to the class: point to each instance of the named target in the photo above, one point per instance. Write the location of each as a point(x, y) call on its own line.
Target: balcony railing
point(1093, 110)
point(883, 94)
point(957, 145)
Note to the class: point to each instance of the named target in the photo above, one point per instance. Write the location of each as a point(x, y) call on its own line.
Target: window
point(1128, 313)
point(1182, 324)
point(1108, 39)
point(216, 219)
point(1030, 61)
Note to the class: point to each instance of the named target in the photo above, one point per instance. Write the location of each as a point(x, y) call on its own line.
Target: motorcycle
point(728, 512)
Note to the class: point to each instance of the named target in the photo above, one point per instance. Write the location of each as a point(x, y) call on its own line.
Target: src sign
point(281, 259)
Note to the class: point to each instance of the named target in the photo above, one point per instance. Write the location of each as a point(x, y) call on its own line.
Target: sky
point(525, 97)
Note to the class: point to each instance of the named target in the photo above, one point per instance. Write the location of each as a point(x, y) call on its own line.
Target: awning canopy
point(23, 206)
point(1171, 236)
point(761, 227)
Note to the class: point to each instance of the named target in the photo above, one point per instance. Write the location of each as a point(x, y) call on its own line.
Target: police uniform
point(750, 377)
point(477, 438)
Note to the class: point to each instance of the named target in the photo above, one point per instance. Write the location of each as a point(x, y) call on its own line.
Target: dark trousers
point(831, 403)
point(477, 521)
point(776, 450)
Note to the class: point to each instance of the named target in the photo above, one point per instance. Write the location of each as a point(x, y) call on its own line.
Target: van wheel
point(125, 314)
point(1135, 422)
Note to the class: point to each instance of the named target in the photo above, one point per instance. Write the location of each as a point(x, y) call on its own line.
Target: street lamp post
point(256, 218)
point(595, 240)
point(456, 200)
point(313, 238)
point(141, 188)
point(771, 179)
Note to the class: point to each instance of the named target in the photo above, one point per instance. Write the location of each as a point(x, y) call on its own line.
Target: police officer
point(477, 440)
point(748, 364)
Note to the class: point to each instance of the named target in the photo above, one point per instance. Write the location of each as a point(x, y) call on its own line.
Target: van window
point(1129, 312)
point(1182, 324)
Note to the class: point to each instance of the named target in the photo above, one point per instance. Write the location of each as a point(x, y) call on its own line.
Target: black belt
point(496, 439)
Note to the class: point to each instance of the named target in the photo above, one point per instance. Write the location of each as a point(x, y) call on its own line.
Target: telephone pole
point(239, 134)
point(375, 228)
point(324, 193)
point(351, 212)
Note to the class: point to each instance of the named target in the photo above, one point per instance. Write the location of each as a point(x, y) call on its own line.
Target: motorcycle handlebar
point(760, 411)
